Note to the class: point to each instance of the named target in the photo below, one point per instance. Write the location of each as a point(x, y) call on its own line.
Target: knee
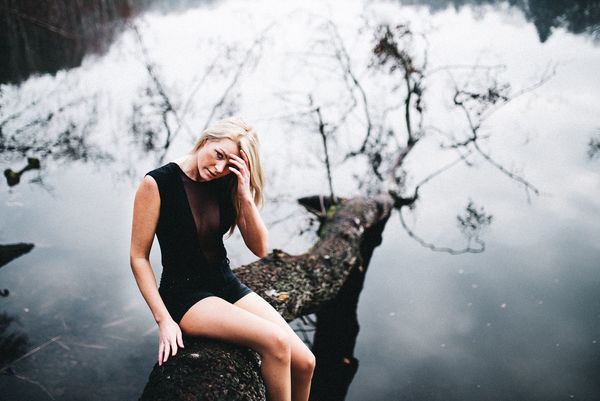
point(278, 345)
point(305, 364)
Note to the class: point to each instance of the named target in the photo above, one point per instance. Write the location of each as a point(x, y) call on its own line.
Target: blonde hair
point(245, 137)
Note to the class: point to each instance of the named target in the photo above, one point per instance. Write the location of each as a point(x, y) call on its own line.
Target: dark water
point(519, 321)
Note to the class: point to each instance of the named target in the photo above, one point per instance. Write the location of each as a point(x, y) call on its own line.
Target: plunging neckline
point(192, 228)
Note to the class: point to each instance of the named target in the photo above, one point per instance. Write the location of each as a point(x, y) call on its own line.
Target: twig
point(159, 87)
point(44, 24)
point(440, 249)
point(325, 149)
point(465, 66)
point(31, 352)
point(346, 64)
point(36, 383)
point(240, 67)
point(528, 186)
point(94, 346)
point(116, 322)
point(438, 172)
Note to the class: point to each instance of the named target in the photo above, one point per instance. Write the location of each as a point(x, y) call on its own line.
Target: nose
point(220, 166)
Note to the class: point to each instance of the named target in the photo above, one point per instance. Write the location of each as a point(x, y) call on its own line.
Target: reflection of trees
point(389, 133)
point(42, 129)
point(49, 36)
point(158, 117)
point(59, 127)
point(576, 16)
point(337, 329)
point(383, 134)
point(12, 344)
point(593, 151)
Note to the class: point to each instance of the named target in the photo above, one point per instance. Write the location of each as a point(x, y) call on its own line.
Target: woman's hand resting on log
point(169, 338)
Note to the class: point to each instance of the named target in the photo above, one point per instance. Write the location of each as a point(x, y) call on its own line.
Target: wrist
point(161, 318)
point(246, 201)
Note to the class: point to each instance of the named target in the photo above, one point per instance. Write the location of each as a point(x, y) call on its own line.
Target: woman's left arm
point(253, 229)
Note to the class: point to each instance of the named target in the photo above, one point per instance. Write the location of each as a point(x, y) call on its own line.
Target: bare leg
point(303, 360)
point(216, 318)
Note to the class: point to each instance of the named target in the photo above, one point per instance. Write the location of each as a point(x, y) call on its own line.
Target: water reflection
point(39, 39)
point(432, 325)
point(580, 16)
point(593, 151)
point(13, 344)
point(14, 177)
point(47, 37)
point(337, 329)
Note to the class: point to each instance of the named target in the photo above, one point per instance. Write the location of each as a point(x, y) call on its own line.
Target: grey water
point(518, 321)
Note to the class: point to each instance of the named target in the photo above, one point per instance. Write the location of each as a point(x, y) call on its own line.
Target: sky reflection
point(519, 321)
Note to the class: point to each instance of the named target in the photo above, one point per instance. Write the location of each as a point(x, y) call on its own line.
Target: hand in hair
point(241, 169)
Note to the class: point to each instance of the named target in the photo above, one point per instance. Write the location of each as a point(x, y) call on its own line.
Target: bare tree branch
point(325, 149)
point(167, 104)
point(240, 68)
point(435, 248)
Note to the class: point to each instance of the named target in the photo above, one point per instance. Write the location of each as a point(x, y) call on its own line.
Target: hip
point(210, 276)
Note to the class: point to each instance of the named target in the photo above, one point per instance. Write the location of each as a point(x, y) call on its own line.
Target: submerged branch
point(12, 251)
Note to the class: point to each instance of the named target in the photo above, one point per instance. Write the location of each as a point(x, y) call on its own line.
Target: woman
point(190, 203)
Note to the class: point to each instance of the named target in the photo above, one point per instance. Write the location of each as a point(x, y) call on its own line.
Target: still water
point(519, 321)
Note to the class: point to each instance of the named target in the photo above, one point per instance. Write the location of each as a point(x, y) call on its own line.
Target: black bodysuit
point(194, 216)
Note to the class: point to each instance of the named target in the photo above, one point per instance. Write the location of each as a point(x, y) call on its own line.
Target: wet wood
point(295, 285)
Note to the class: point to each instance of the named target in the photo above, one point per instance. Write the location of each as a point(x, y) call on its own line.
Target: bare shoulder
point(148, 184)
point(146, 212)
point(147, 191)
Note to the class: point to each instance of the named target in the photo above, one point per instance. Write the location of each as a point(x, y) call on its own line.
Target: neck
point(190, 167)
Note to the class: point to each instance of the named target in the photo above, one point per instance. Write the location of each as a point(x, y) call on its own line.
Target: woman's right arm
point(146, 210)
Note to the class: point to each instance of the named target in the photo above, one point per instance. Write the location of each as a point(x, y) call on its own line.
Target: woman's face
point(213, 158)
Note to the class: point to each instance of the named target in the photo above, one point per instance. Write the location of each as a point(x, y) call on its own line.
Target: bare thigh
point(255, 304)
point(216, 318)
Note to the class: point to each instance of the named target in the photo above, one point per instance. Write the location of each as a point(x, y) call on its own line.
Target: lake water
point(519, 321)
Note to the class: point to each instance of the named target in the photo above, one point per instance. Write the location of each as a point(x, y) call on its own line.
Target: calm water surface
point(520, 321)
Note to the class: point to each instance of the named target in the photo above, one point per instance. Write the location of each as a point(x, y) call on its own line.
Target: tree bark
point(294, 285)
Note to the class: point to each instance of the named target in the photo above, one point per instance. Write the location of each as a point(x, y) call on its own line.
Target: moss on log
point(295, 285)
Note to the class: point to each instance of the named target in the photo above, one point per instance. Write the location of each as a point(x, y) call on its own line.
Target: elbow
point(136, 261)
point(262, 253)
point(263, 249)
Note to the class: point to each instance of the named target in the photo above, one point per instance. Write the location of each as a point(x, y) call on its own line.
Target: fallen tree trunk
point(295, 286)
